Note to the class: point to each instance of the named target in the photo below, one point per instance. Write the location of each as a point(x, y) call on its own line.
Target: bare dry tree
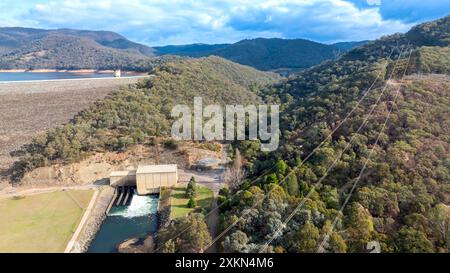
point(235, 175)
point(337, 53)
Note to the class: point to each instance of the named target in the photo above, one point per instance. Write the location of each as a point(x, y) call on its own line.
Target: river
point(136, 220)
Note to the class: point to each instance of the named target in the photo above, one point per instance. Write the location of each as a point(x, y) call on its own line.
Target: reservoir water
point(29, 76)
point(136, 220)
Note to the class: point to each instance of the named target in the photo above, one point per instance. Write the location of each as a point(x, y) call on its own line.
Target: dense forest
point(343, 178)
point(393, 179)
point(267, 54)
point(135, 114)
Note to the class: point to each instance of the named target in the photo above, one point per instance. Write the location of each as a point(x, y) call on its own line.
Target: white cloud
point(157, 22)
point(325, 20)
point(374, 2)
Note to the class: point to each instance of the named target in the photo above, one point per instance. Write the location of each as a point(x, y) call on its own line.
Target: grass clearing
point(179, 201)
point(41, 223)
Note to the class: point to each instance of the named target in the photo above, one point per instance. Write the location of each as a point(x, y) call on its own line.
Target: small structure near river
point(133, 211)
point(147, 179)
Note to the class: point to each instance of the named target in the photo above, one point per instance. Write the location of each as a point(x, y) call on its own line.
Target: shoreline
point(130, 77)
point(82, 223)
point(78, 71)
point(93, 223)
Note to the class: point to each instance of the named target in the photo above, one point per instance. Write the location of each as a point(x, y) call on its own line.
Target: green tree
point(440, 224)
point(330, 196)
point(305, 240)
point(236, 242)
point(169, 247)
point(276, 192)
point(291, 185)
point(281, 168)
point(271, 179)
point(124, 142)
point(194, 238)
point(380, 202)
point(409, 240)
point(191, 189)
point(192, 203)
point(360, 227)
point(335, 242)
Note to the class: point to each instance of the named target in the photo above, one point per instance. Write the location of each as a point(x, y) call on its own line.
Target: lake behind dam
point(31, 76)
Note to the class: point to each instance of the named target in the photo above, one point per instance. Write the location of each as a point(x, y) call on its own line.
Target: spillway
point(137, 219)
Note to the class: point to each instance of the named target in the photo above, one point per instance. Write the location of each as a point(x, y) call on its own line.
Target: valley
point(363, 156)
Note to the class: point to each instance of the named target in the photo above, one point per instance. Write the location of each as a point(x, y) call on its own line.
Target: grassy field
point(179, 201)
point(41, 223)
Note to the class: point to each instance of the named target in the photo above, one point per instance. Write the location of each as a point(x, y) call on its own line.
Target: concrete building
point(147, 179)
point(122, 178)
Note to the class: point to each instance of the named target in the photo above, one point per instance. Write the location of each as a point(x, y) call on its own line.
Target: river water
point(136, 220)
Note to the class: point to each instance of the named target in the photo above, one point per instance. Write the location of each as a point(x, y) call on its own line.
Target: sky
point(164, 22)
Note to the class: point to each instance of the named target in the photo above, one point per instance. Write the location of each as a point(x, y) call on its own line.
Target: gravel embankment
point(96, 84)
point(30, 108)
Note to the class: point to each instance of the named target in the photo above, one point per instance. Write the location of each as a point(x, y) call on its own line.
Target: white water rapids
point(140, 206)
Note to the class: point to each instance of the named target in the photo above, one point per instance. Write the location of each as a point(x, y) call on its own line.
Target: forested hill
point(136, 114)
point(434, 34)
point(190, 50)
point(13, 38)
point(347, 46)
point(24, 48)
point(402, 198)
point(267, 54)
point(270, 54)
point(27, 48)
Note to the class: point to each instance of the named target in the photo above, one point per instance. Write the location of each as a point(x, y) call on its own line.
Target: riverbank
point(80, 228)
point(78, 71)
point(136, 220)
point(93, 223)
point(2, 83)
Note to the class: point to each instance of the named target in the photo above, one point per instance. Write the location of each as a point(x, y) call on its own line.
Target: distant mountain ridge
point(70, 49)
point(266, 54)
point(349, 45)
point(190, 50)
point(27, 48)
point(12, 38)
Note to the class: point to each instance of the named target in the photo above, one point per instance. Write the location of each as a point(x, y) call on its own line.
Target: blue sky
point(156, 22)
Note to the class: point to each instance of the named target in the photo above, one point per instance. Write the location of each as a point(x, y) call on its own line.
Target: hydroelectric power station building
point(147, 179)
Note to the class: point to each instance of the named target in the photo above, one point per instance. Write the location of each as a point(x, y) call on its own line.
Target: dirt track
point(30, 108)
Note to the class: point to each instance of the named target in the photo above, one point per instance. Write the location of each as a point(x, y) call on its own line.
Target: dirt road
point(214, 180)
point(11, 192)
